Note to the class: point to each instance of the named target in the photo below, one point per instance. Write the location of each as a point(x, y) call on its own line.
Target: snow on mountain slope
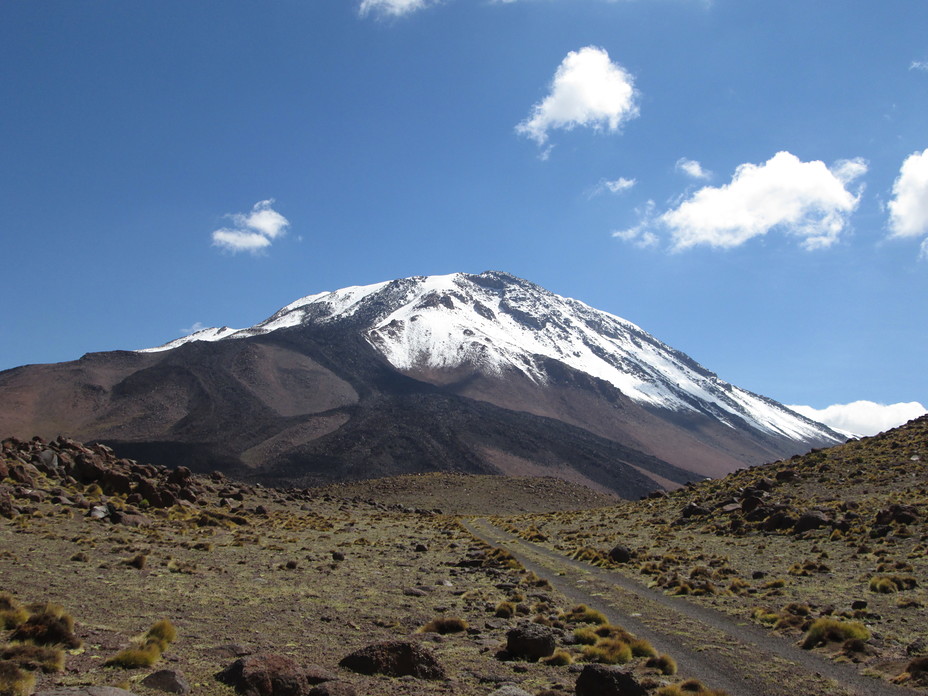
point(496, 322)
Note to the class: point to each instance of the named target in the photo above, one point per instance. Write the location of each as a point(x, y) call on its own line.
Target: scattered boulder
point(265, 675)
point(694, 510)
point(903, 514)
point(169, 680)
point(395, 658)
point(620, 554)
point(530, 641)
point(317, 675)
point(607, 680)
point(811, 519)
point(7, 509)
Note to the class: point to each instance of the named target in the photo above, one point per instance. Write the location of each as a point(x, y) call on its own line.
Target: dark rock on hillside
point(395, 658)
point(607, 680)
point(530, 641)
point(265, 675)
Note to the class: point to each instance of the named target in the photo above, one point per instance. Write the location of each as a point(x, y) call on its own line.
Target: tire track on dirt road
point(740, 658)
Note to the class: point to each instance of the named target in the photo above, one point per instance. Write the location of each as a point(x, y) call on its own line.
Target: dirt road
point(741, 658)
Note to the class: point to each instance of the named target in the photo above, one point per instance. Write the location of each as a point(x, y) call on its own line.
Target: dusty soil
point(302, 574)
point(839, 533)
point(463, 494)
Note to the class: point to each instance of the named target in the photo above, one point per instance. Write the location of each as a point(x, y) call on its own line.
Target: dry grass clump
point(642, 648)
point(505, 610)
point(444, 625)
point(690, 687)
point(583, 614)
point(148, 649)
point(34, 657)
point(887, 584)
point(560, 658)
point(609, 651)
point(824, 630)
point(12, 613)
point(664, 663)
point(14, 681)
point(48, 624)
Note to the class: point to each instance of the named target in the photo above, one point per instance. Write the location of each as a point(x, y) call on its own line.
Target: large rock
point(620, 554)
point(169, 680)
point(607, 680)
point(7, 509)
point(811, 519)
point(530, 641)
point(265, 675)
point(395, 658)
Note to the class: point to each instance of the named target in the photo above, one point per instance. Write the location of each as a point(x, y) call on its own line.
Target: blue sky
point(747, 181)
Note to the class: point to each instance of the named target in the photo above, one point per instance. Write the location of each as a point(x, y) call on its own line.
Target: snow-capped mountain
point(483, 373)
point(497, 323)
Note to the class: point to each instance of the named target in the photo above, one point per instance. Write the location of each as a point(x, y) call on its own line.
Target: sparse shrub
point(48, 624)
point(560, 658)
point(690, 687)
point(664, 663)
point(131, 658)
point(823, 630)
point(887, 584)
point(138, 561)
point(147, 650)
point(642, 648)
point(444, 625)
point(505, 610)
point(14, 681)
point(610, 651)
point(583, 614)
point(586, 636)
point(12, 613)
point(33, 657)
point(163, 630)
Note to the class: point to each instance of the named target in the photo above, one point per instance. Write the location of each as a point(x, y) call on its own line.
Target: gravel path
point(741, 658)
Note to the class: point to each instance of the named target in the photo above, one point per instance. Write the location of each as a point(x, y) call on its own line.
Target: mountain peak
point(496, 323)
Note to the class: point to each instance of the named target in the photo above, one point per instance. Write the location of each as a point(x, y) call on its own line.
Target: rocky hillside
point(838, 535)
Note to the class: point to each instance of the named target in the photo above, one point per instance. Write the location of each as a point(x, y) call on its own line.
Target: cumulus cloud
point(805, 199)
point(692, 169)
point(589, 90)
point(863, 417)
point(391, 8)
point(908, 210)
point(252, 231)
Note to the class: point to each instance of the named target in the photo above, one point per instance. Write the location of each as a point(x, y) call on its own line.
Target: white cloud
point(392, 8)
point(620, 185)
point(908, 210)
point(919, 65)
point(197, 326)
point(252, 231)
point(641, 235)
point(863, 417)
point(692, 169)
point(805, 199)
point(587, 90)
